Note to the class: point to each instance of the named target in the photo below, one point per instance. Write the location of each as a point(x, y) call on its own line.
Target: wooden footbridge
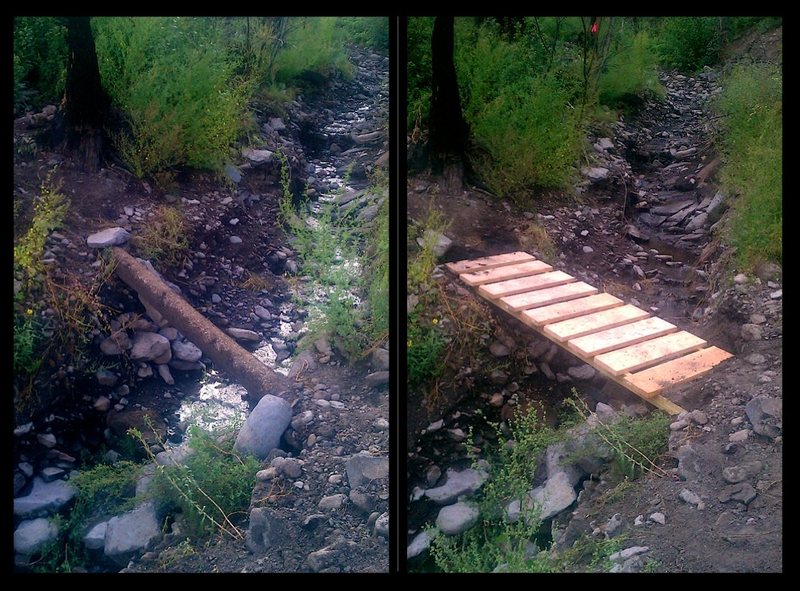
point(642, 352)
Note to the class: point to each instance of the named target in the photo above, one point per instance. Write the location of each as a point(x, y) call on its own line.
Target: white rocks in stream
point(264, 426)
point(243, 334)
point(456, 519)
point(108, 237)
point(150, 346)
point(186, 351)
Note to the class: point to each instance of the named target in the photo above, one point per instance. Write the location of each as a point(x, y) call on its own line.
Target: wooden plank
point(544, 297)
point(666, 405)
point(504, 273)
point(589, 323)
point(538, 317)
point(489, 262)
point(658, 350)
point(493, 291)
point(622, 336)
point(651, 382)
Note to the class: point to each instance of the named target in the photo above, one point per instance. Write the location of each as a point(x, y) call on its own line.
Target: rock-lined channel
point(326, 437)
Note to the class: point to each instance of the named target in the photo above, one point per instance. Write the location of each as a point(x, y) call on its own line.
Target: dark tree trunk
point(448, 130)
point(86, 104)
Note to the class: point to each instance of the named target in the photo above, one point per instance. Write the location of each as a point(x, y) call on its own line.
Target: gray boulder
point(151, 346)
point(45, 498)
point(458, 483)
point(108, 237)
point(456, 519)
point(766, 416)
point(95, 538)
point(364, 469)
point(186, 351)
point(131, 532)
point(262, 430)
point(31, 535)
point(419, 545)
point(554, 496)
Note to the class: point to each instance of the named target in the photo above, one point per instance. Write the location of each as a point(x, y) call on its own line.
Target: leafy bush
point(418, 70)
point(49, 212)
point(103, 490)
point(213, 487)
point(688, 43)
point(752, 107)
point(369, 31)
point(350, 270)
point(631, 71)
point(313, 44)
point(40, 59)
point(494, 541)
point(176, 85)
point(522, 124)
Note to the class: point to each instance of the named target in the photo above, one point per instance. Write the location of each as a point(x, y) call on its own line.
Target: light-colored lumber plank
point(666, 405)
point(544, 297)
point(595, 322)
point(658, 350)
point(489, 262)
point(538, 317)
point(651, 382)
point(622, 336)
point(511, 287)
point(505, 273)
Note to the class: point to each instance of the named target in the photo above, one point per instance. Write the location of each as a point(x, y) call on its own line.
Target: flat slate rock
point(45, 498)
point(108, 237)
point(458, 483)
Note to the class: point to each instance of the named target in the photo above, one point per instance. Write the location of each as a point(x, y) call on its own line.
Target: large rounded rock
point(31, 535)
point(766, 416)
point(458, 483)
point(362, 469)
point(186, 351)
point(151, 346)
point(456, 519)
point(131, 532)
point(262, 430)
point(556, 495)
point(45, 498)
point(108, 237)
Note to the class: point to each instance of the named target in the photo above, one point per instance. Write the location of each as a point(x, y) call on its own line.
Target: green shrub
point(40, 59)
point(101, 491)
point(217, 482)
point(27, 343)
point(687, 43)
point(522, 124)
point(176, 85)
point(368, 31)
point(49, 212)
point(349, 269)
point(494, 541)
point(313, 44)
point(631, 71)
point(418, 70)
point(752, 145)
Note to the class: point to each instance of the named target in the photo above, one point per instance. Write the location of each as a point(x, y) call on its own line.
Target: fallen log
point(227, 354)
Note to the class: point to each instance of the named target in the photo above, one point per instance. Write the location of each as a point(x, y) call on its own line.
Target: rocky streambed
point(329, 428)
